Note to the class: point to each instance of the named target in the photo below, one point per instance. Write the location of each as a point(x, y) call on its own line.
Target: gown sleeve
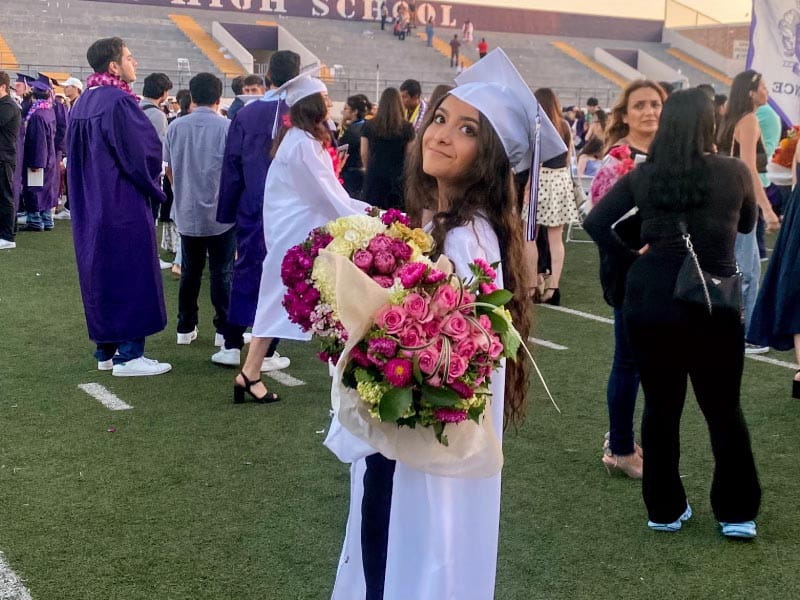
point(474, 240)
point(231, 184)
point(134, 140)
point(315, 179)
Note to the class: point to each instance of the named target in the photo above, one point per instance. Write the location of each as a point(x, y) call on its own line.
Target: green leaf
point(511, 342)
point(497, 297)
point(439, 396)
point(499, 324)
point(394, 403)
point(417, 371)
point(438, 429)
point(475, 412)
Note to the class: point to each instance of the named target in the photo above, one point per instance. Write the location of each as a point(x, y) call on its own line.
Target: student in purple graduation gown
point(39, 158)
point(113, 172)
point(241, 201)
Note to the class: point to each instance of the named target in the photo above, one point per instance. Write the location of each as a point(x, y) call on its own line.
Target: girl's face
point(347, 113)
point(450, 143)
point(643, 112)
point(761, 95)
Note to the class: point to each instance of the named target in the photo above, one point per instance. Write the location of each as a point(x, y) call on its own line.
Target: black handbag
point(696, 286)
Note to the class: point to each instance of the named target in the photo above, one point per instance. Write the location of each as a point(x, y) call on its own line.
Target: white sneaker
point(184, 339)
point(22, 220)
point(276, 362)
point(219, 339)
point(140, 367)
point(63, 215)
point(6, 245)
point(162, 264)
point(754, 349)
point(105, 365)
point(230, 357)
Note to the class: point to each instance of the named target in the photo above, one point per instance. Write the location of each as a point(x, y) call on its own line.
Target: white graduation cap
point(302, 86)
point(495, 88)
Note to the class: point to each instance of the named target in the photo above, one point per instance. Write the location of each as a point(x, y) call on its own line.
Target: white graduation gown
point(442, 531)
point(301, 193)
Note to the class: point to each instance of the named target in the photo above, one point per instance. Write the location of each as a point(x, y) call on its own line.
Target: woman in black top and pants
point(674, 340)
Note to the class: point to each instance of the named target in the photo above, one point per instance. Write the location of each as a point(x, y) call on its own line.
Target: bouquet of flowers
point(618, 163)
point(785, 151)
point(379, 245)
point(428, 357)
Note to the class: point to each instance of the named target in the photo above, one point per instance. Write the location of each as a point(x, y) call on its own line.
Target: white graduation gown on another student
point(301, 193)
point(443, 532)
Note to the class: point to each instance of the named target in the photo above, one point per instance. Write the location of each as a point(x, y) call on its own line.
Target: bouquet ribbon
point(473, 451)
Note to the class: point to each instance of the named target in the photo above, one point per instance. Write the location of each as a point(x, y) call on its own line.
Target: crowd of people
point(243, 189)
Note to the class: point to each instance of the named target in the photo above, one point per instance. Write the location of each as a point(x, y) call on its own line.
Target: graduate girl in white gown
point(411, 535)
point(302, 192)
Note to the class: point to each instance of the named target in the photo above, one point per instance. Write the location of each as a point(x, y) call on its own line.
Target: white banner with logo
point(775, 53)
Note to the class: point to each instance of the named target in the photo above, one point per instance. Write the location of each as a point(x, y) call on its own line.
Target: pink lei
point(108, 79)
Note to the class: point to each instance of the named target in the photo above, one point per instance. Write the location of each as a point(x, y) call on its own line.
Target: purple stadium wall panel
point(485, 18)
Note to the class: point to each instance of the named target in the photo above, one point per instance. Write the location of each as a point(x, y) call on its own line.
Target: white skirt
point(556, 198)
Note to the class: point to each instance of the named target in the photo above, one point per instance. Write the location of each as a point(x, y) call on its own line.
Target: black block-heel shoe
point(555, 299)
point(796, 387)
point(239, 391)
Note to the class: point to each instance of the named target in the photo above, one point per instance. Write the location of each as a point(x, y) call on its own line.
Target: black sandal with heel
point(239, 392)
point(796, 387)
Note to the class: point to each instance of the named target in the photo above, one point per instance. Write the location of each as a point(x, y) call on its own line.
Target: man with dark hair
point(40, 168)
point(156, 89)
point(10, 119)
point(708, 90)
point(112, 172)
point(415, 107)
point(241, 200)
point(253, 85)
point(237, 85)
point(193, 150)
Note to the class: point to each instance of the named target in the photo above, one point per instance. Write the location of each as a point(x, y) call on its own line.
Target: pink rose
point(432, 328)
point(485, 322)
point(482, 341)
point(415, 306)
point(380, 243)
point(383, 280)
point(427, 360)
point(495, 349)
point(455, 326)
point(435, 381)
point(391, 318)
point(458, 366)
point(363, 260)
point(466, 348)
point(411, 336)
point(444, 299)
point(384, 262)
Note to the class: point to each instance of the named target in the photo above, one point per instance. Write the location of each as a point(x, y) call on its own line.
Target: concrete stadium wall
point(232, 45)
point(485, 18)
point(729, 66)
point(658, 71)
point(612, 62)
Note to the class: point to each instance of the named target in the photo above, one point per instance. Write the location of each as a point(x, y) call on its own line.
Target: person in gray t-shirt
point(193, 150)
point(156, 88)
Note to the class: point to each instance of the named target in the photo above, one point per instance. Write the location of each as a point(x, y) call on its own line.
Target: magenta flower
point(363, 260)
point(383, 280)
point(383, 346)
point(434, 276)
point(358, 356)
point(384, 262)
point(411, 274)
point(401, 250)
point(487, 288)
point(393, 215)
point(380, 243)
point(450, 415)
point(398, 372)
point(486, 268)
point(462, 389)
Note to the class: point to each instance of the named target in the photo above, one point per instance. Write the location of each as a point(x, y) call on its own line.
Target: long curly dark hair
point(487, 189)
point(677, 168)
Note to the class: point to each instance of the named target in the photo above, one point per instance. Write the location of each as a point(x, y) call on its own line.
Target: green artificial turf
point(191, 497)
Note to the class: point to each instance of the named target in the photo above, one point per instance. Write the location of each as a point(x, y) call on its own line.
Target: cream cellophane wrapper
point(473, 449)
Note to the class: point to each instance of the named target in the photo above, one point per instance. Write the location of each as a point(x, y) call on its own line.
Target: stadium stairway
point(207, 45)
point(8, 60)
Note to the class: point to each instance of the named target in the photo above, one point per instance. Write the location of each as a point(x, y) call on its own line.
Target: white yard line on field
point(547, 344)
point(11, 586)
point(590, 316)
point(284, 378)
point(579, 313)
point(105, 397)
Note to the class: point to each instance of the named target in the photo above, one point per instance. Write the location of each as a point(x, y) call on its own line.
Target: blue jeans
point(746, 251)
point(127, 351)
point(623, 387)
point(42, 219)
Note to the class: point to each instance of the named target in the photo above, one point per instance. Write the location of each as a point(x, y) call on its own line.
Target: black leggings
point(375, 512)
point(674, 342)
